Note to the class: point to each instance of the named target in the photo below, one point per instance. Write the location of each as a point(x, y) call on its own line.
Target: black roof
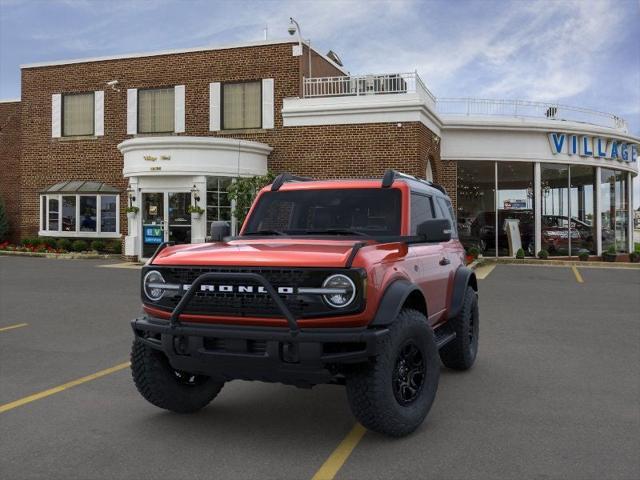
point(81, 186)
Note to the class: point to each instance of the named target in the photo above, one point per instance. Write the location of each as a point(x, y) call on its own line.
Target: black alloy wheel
point(408, 374)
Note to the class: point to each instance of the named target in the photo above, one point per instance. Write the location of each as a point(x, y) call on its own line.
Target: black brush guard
point(301, 357)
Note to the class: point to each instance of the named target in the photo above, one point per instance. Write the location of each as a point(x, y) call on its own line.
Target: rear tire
point(393, 394)
point(460, 353)
point(165, 387)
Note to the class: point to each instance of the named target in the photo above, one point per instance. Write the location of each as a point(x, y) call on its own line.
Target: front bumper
point(272, 354)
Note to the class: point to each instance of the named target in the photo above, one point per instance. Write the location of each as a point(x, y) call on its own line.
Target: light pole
point(294, 27)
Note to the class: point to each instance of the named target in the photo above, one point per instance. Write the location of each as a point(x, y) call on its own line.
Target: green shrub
point(634, 257)
point(611, 250)
point(244, 190)
point(98, 245)
point(114, 247)
point(47, 242)
point(64, 244)
point(474, 252)
point(27, 242)
point(583, 255)
point(543, 254)
point(79, 246)
point(520, 253)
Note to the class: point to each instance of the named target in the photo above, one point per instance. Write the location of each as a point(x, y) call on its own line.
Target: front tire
point(460, 353)
point(165, 387)
point(393, 394)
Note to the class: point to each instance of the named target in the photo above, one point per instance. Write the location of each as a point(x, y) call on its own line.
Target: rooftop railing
point(528, 109)
point(357, 85)
point(402, 83)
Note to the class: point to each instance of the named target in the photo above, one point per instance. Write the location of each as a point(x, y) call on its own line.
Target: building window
point(108, 213)
point(218, 203)
point(614, 210)
point(88, 213)
point(477, 205)
point(78, 114)
point(156, 110)
point(76, 215)
point(69, 213)
point(241, 105)
point(447, 212)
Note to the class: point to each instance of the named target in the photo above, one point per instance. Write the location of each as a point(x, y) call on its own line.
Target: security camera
point(291, 29)
point(112, 83)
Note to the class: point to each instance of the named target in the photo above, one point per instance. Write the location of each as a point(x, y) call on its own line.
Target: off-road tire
point(371, 387)
point(166, 388)
point(460, 353)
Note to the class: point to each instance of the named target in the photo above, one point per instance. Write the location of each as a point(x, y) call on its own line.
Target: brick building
point(161, 131)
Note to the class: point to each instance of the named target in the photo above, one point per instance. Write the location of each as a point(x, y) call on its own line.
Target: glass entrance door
point(164, 218)
point(179, 230)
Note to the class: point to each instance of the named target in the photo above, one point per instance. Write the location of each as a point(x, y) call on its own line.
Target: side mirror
point(435, 230)
point(219, 230)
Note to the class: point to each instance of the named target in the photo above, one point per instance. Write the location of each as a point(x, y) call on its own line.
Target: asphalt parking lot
point(554, 393)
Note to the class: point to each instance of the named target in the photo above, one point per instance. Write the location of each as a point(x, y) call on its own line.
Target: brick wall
point(10, 163)
point(319, 151)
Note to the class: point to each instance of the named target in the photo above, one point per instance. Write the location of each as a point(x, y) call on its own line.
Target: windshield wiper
point(337, 231)
point(264, 232)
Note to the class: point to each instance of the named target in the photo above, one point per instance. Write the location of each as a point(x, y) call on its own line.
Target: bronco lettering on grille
point(241, 289)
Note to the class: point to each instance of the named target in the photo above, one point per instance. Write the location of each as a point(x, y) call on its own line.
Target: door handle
point(445, 261)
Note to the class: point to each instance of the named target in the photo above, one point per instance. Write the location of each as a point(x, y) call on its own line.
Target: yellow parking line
point(37, 396)
point(133, 265)
point(11, 327)
point(577, 274)
point(335, 461)
point(483, 271)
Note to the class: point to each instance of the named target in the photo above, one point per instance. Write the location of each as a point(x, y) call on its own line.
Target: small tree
point(244, 190)
point(4, 222)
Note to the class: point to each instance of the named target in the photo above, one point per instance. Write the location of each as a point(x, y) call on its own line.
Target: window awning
point(81, 186)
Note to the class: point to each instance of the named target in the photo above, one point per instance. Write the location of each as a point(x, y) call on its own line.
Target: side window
point(421, 210)
point(447, 212)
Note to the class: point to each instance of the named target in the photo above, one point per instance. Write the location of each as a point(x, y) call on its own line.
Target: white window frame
point(78, 233)
point(97, 120)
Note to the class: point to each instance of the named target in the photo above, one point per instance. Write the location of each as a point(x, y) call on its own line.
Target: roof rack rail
point(390, 175)
point(287, 177)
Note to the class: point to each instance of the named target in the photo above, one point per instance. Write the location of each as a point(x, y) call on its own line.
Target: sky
point(584, 53)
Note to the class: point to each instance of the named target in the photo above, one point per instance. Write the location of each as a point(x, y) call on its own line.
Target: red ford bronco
point(360, 283)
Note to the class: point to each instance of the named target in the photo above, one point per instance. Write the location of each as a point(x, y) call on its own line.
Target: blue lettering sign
point(601, 147)
point(573, 149)
point(614, 149)
point(152, 234)
point(634, 153)
point(557, 142)
point(586, 147)
point(624, 153)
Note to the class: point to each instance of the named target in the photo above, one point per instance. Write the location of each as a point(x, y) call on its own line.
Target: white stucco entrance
point(166, 174)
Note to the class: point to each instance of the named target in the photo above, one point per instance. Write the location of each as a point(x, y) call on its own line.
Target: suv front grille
point(256, 304)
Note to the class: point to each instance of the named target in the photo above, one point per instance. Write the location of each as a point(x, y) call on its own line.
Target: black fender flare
point(464, 277)
point(392, 301)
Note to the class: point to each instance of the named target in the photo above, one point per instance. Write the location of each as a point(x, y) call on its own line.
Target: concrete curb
point(64, 256)
point(562, 263)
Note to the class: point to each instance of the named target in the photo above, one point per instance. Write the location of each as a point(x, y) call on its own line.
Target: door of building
point(164, 218)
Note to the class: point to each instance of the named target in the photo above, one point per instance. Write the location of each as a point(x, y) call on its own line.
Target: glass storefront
point(581, 205)
point(515, 208)
point(477, 206)
point(614, 209)
point(567, 208)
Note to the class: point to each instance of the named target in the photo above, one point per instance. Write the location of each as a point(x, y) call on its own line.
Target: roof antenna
point(266, 32)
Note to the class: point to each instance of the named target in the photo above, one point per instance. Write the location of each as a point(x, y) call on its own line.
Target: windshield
point(366, 211)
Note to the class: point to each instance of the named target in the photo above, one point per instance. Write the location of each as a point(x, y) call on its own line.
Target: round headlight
point(343, 291)
point(153, 284)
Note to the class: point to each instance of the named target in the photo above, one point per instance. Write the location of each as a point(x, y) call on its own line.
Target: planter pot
point(634, 257)
point(196, 216)
point(470, 259)
point(131, 216)
point(609, 257)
